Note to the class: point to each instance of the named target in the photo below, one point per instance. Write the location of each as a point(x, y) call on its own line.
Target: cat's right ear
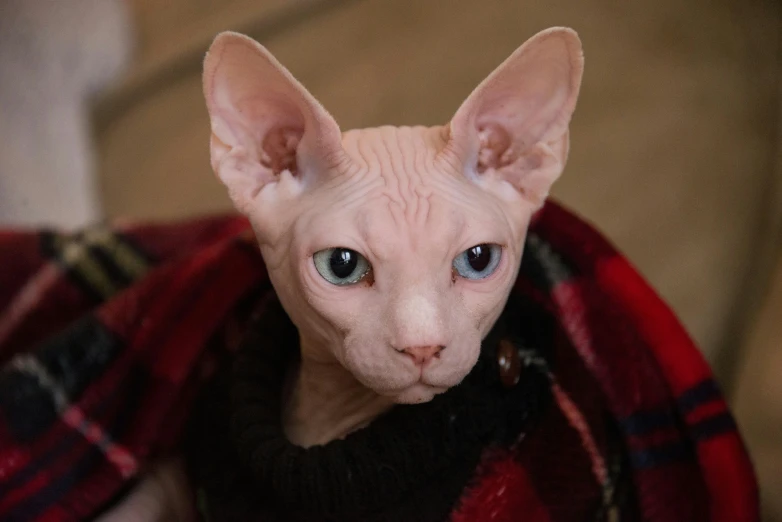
point(512, 131)
point(270, 137)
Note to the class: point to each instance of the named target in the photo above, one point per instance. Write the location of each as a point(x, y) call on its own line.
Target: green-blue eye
point(341, 266)
point(478, 262)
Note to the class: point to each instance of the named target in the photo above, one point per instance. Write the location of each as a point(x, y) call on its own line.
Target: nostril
point(423, 354)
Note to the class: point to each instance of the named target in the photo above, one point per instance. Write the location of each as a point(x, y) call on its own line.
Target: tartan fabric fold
point(106, 336)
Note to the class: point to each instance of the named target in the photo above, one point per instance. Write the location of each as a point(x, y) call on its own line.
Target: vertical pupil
point(479, 257)
point(343, 262)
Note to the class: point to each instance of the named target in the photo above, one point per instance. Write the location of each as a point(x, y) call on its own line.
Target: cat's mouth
point(418, 387)
point(405, 380)
point(422, 389)
point(418, 393)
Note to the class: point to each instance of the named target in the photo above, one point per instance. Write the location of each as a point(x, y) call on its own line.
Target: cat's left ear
point(270, 137)
point(514, 125)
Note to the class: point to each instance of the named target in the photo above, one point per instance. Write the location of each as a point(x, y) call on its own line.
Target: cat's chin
point(418, 393)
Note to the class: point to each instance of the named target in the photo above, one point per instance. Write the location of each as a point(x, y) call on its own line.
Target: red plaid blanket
point(103, 343)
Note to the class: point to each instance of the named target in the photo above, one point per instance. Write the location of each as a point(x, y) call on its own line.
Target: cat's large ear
point(514, 125)
point(267, 130)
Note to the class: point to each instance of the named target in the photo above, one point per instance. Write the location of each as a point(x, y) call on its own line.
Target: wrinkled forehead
point(403, 198)
point(395, 152)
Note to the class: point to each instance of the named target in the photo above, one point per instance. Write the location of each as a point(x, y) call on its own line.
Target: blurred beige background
point(676, 142)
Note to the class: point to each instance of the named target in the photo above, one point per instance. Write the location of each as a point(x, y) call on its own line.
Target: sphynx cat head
point(392, 249)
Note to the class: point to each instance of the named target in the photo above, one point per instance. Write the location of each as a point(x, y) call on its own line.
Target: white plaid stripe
point(577, 421)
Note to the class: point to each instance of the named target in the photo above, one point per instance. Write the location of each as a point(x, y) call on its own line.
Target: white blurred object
point(53, 56)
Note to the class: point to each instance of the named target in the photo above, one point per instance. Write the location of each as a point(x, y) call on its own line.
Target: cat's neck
point(325, 402)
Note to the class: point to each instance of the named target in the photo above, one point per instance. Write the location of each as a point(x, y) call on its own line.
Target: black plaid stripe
point(713, 426)
point(707, 391)
point(27, 407)
point(704, 392)
point(661, 454)
point(671, 418)
point(98, 261)
point(645, 422)
point(36, 386)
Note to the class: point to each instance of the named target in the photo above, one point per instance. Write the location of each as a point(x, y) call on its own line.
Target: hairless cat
point(392, 249)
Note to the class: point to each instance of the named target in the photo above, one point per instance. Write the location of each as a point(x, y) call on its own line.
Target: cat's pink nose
point(423, 354)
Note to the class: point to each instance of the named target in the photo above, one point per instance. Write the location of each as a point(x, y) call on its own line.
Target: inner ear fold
point(515, 124)
point(278, 149)
point(264, 122)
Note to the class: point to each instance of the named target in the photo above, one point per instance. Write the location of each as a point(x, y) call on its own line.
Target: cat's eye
point(478, 262)
point(341, 266)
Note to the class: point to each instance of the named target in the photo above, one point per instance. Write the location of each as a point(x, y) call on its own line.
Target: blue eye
point(478, 262)
point(341, 266)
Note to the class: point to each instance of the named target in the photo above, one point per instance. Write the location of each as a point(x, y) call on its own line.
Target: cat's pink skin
point(409, 199)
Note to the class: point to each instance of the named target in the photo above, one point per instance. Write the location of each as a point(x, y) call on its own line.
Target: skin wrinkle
point(458, 229)
point(366, 234)
point(422, 193)
point(361, 150)
point(393, 210)
point(400, 168)
point(407, 164)
point(395, 180)
point(414, 176)
point(389, 164)
point(423, 212)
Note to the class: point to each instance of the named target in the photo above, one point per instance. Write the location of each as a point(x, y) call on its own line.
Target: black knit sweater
point(411, 464)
